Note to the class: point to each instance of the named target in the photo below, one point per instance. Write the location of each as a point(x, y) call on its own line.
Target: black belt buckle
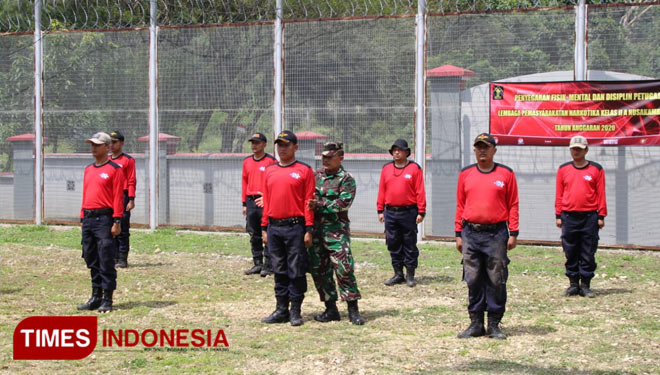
point(97, 213)
point(400, 208)
point(253, 197)
point(286, 222)
point(482, 227)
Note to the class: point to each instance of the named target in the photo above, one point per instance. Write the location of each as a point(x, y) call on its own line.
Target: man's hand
point(459, 244)
point(244, 211)
point(381, 218)
point(130, 205)
point(419, 219)
point(308, 240)
point(511, 244)
point(558, 223)
point(311, 204)
point(115, 230)
point(264, 235)
point(259, 201)
point(601, 223)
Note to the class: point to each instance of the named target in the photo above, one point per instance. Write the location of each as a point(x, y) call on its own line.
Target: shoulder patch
point(270, 156)
point(565, 164)
point(247, 157)
point(128, 156)
point(418, 166)
point(504, 166)
point(469, 166)
point(598, 166)
point(113, 164)
point(388, 163)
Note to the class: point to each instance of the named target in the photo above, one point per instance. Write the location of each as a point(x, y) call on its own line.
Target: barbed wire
point(18, 15)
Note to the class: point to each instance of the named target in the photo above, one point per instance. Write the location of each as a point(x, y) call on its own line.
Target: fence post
point(277, 78)
point(153, 115)
point(580, 72)
point(420, 94)
point(38, 115)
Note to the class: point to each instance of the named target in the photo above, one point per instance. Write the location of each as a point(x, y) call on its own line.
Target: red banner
point(550, 113)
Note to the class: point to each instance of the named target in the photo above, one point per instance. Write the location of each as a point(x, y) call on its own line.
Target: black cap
point(400, 143)
point(287, 136)
point(258, 137)
point(116, 134)
point(485, 138)
point(330, 149)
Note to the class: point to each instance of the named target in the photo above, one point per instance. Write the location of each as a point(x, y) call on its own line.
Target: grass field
point(180, 280)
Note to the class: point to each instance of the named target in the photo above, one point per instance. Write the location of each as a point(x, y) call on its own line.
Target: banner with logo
point(550, 113)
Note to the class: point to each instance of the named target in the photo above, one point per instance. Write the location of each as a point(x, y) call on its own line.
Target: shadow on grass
point(507, 367)
point(149, 304)
point(425, 280)
point(607, 292)
point(10, 291)
point(147, 265)
point(528, 330)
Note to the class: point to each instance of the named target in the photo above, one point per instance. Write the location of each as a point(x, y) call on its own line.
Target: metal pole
point(278, 62)
point(38, 114)
point(153, 115)
point(420, 94)
point(581, 42)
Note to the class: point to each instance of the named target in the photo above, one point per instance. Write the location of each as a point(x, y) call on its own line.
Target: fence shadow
point(609, 291)
point(528, 330)
point(10, 291)
point(426, 280)
point(148, 265)
point(484, 366)
point(149, 304)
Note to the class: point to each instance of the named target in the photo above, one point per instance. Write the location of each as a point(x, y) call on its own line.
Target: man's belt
point(484, 227)
point(400, 208)
point(286, 222)
point(580, 214)
point(98, 212)
point(253, 197)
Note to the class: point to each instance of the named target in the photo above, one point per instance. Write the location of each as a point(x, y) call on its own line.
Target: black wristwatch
point(116, 221)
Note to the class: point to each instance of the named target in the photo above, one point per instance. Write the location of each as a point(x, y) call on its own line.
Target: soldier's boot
point(122, 260)
point(106, 304)
point(476, 327)
point(354, 313)
point(256, 268)
point(493, 330)
point(94, 301)
point(410, 277)
point(397, 278)
point(295, 317)
point(585, 290)
point(573, 289)
point(281, 313)
point(331, 313)
point(267, 268)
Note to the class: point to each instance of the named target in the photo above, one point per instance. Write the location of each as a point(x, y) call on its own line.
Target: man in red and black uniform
point(580, 210)
point(401, 206)
point(101, 212)
point(287, 225)
point(486, 226)
point(254, 173)
point(127, 164)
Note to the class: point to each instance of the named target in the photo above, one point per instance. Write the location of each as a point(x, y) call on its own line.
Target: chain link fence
point(349, 73)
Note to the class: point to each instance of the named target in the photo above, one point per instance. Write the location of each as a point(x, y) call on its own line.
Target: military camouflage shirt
point(334, 194)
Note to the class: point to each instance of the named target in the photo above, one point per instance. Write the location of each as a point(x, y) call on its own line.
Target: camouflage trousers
point(331, 253)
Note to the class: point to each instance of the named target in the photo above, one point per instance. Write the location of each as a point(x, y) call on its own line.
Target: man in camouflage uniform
point(331, 244)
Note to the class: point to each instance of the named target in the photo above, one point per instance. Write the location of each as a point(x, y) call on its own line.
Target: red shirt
point(254, 173)
point(581, 189)
point(103, 187)
point(401, 187)
point(487, 198)
point(286, 192)
point(127, 164)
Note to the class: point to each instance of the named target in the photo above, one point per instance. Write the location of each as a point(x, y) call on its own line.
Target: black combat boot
point(476, 327)
point(106, 305)
point(266, 269)
point(331, 313)
point(585, 290)
point(94, 302)
point(354, 313)
point(281, 313)
point(410, 277)
point(397, 278)
point(574, 288)
point(122, 260)
point(256, 268)
point(294, 317)
point(493, 330)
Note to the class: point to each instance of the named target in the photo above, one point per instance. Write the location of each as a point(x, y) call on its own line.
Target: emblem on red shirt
point(104, 175)
point(407, 176)
point(295, 175)
point(262, 168)
point(587, 177)
point(499, 183)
